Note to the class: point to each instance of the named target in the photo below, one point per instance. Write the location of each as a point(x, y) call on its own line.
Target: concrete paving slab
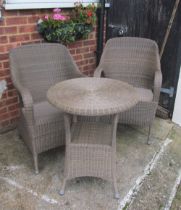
point(157, 188)
point(22, 188)
point(160, 128)
point(176, 205)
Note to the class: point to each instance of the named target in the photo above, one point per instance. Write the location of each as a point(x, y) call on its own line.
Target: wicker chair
point(34, 69)
point(135, 61)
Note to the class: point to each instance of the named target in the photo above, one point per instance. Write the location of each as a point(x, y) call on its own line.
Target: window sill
point(42, 5)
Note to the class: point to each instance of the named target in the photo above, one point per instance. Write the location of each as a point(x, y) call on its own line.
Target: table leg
point(74, 118)
point(149, 134)
point(114, 131)
point(68, 140)
point(62, 191)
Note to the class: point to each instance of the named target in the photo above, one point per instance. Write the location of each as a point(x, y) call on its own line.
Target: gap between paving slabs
point(85, 189)
point(129, 198)
point(158, 189)
point(123, 204)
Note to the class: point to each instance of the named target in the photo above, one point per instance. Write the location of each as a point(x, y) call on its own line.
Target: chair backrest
point(130, 59)
point(39, 66)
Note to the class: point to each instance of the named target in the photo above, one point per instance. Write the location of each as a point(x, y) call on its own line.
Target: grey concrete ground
point(155, 191)
point(176, 205)
point(21, 189)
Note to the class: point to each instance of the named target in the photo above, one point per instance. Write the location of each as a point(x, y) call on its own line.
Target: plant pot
point(66, 33)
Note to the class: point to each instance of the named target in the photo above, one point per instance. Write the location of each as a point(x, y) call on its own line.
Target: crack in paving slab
point(158, 189)
point(19, 186)
point(11, 168)
point(82, 193)
point(173, 192)
point(128, 199)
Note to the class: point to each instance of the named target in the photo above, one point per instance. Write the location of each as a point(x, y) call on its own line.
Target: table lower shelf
point(91, 133)
point(90, 150)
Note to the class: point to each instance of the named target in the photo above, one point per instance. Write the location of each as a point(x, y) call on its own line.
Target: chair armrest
point(98, 72)
point(77, 72)
point(26, 96)
point(157, 85)
point(82, 75)
point(27, 102)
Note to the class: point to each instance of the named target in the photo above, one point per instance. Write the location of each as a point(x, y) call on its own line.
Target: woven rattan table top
point(92, 96)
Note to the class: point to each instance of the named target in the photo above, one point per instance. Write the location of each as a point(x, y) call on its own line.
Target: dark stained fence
point(149, 19)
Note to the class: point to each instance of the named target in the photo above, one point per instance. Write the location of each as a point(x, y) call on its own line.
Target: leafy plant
point(63, 29)
point(86, 15)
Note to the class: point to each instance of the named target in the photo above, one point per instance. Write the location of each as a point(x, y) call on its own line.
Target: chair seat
point(145, 95)
point(44, 112)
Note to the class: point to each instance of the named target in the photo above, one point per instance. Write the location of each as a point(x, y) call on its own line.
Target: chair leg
point(35, 158)
point(116, 193)
point(62, 191)
point(149, 134)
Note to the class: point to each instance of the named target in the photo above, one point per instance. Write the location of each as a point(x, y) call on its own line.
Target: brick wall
point(19, 28)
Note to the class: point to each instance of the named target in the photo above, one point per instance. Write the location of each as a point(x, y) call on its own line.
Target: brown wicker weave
point(135, 61)
point(91, 145)
point(34, 69)
point(92, 96)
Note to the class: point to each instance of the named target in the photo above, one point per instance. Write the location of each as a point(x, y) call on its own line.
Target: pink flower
point(62, 18)
point(57, 10)
point(46, 17)
point(59, 17)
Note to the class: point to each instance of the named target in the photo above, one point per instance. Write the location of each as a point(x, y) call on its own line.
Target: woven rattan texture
point(91, 145)
point(34, 68)
point(39, 66)
point(91, 149)
point(91, 133)
point(90, 160)
point(92, 96)
point(135, 61)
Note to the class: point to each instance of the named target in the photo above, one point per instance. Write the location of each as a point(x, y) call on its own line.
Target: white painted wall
point(177, 108)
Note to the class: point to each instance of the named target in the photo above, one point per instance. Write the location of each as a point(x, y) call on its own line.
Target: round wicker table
point(91, 138)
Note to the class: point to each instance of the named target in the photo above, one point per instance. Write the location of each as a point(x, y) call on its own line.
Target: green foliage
point(86, 15)
point(58, 31)
point(126, 206)
point(69, 30)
